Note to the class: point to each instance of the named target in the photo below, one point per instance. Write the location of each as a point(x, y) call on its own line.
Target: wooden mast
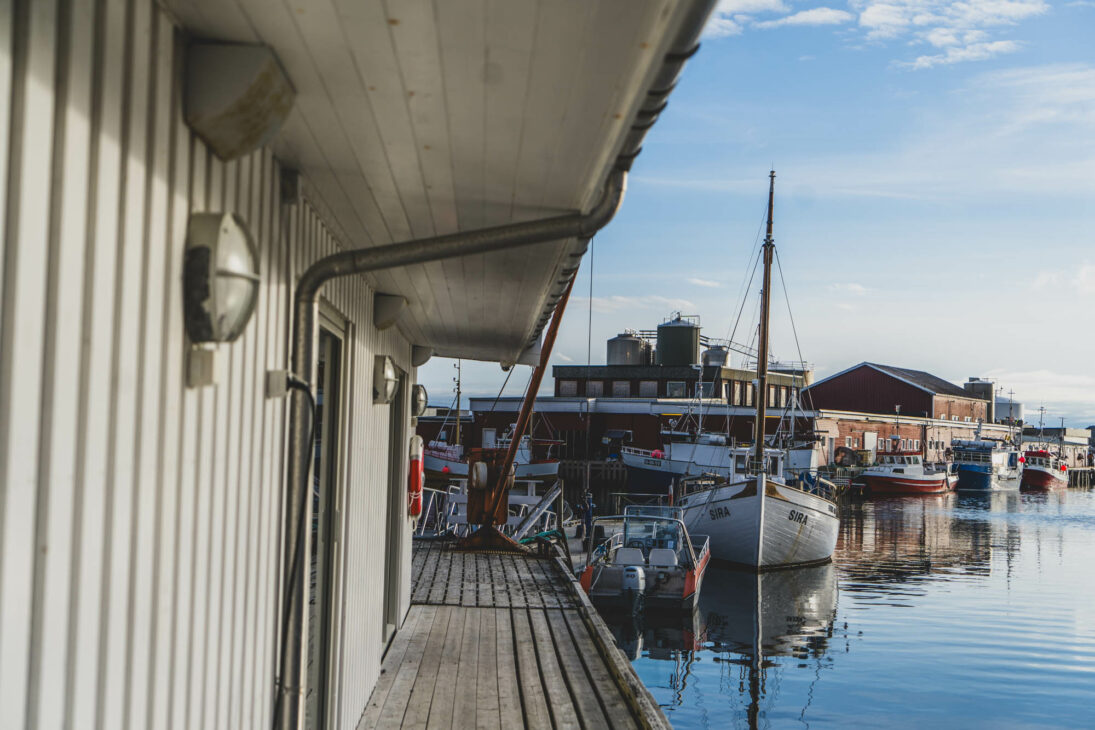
point(762, 345)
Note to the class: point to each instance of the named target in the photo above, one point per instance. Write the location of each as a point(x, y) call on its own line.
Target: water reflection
point(959, 593)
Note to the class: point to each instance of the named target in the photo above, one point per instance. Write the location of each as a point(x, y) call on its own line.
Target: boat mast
point(458, 369)
point(762, 345)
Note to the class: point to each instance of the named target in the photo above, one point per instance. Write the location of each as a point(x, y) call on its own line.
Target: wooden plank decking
point(502, 641)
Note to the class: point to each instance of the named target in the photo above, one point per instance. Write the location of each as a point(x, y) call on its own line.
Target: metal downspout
point(306, 311)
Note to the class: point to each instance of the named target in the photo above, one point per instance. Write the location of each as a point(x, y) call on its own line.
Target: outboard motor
point(634, 587)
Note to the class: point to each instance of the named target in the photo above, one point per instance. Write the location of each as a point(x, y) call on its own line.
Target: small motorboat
point(649, 560)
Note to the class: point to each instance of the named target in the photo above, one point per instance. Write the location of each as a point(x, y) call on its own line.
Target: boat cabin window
point(739, 464)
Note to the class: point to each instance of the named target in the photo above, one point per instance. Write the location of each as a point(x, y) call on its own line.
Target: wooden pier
point(498, 640)
point(1081, 476)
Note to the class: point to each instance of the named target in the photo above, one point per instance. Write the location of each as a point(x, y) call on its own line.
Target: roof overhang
point(436, 118)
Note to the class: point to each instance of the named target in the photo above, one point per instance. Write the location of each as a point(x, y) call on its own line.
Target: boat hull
point(928, 484)
point(798, 528)
point(1040, 479)
point(668, 589)
point(454, 469)
point(983, 478)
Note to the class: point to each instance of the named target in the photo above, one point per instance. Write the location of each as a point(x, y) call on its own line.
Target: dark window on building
point(676, 389)
point(621, 388)
point(568, 388)
point(648, 389)
point(594, 389)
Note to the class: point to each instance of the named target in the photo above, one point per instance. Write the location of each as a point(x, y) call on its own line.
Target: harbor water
point(938, 611)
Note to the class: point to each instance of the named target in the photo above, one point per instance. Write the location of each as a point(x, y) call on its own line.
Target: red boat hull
point(898, 485)
point(1043, 480)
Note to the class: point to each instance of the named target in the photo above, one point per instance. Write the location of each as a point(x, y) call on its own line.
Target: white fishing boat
point(763, 522)
point(534, 459)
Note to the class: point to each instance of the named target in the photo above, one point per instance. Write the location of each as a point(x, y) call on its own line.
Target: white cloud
point(721, 26)
point(1079, 280)
point(562, 357)
point(849, 288)
point(704, 282)
point(958, 54)
point(960, 26)
point(813, 16)
point(731, 16)
point(618, 303)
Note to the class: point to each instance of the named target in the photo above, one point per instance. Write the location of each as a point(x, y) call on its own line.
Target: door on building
point(324, 565)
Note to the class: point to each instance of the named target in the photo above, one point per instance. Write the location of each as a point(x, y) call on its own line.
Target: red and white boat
point(904, 472)
point(1043, 471)
point(534, 459)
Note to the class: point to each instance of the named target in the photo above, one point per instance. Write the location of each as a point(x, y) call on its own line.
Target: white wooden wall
point(140, 520)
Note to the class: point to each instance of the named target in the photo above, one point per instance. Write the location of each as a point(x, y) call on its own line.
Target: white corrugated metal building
point(142, 520)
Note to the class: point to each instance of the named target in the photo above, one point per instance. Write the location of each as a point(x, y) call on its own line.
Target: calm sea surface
point(944, 611)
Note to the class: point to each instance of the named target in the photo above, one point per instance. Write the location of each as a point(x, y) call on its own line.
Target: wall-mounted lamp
point(419, 400)
point(385, 380)
point(220, 277)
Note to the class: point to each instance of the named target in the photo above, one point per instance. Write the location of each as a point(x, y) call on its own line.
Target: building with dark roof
point(884, 389)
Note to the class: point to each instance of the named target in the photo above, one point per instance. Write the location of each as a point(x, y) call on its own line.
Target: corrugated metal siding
point(140, 521)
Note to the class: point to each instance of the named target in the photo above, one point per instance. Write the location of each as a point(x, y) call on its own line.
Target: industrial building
point(211, 209)
point(668, 363)
point(885, 389)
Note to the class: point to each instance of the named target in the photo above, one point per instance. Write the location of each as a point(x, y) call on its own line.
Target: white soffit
point(417, 118)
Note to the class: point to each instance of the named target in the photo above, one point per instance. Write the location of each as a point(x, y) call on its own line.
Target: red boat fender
point(587, 578)
point(415, 478)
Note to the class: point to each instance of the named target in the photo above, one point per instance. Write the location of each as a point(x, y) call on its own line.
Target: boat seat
point(629, 556)
point(663, 558)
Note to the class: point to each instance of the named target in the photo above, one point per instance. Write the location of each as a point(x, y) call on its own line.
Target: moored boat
point(986, 465)
point(762, 522)
point(903, 472)
point(1043, 471)
point(533, 460)
point(653, 561)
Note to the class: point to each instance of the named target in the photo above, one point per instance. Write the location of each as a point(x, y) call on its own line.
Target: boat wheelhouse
point(986, 465)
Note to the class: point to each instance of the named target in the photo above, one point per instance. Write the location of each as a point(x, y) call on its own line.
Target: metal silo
point(715, 356)
point(625, 349)
point(678, 342)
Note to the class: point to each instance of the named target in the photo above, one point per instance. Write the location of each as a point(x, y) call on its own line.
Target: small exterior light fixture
point(220, 277)
point(419, 400)
point(385, 380)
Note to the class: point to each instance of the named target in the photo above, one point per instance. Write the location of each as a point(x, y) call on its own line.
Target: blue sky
point(935, 195)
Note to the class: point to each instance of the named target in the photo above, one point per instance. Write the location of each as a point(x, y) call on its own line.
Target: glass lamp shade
point(419, 400)
point(221, 280)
